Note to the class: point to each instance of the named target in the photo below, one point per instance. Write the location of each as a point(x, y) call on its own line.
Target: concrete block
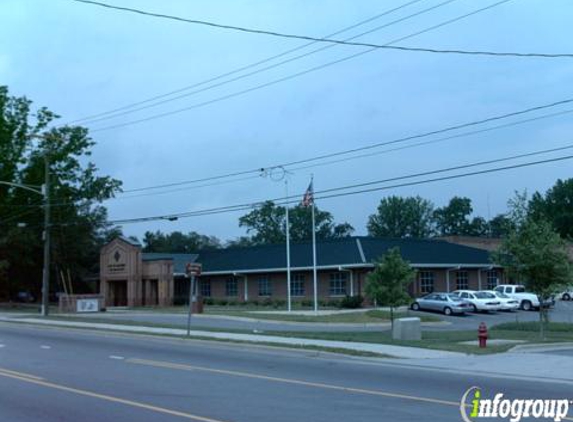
point(407, 329)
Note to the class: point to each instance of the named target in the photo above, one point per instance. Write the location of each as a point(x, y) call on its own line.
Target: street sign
point(193, 269)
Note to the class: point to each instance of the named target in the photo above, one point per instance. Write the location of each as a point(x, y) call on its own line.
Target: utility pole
point(46, 272)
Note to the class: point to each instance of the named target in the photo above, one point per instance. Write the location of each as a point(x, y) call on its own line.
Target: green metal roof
point(179, 259)
point(351, 251)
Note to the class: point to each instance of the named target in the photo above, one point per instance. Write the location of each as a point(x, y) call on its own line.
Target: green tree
point(267, 223)
point(388, 283)
point(536, 255)
point(402, 217)
point(453, 219)
point(556, 206)
point(177, 242)
point(78, 224)
point(500, 226)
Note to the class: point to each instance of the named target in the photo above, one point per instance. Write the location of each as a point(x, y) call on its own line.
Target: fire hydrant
point(482, 335)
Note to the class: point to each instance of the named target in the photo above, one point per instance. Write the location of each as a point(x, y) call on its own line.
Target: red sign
point(193, 269)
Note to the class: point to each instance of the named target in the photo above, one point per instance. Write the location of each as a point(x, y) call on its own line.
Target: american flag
point(308, 198)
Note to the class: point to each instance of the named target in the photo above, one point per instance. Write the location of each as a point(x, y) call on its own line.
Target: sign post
point(193, 270)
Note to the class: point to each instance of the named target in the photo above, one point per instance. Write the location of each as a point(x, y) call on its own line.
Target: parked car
point(479, 301)
point(25, 297)
point(507, 303)
point(527, 301)
point(567, 294)
point(441, 302)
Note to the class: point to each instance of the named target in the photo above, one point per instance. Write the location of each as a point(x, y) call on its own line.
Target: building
point(129, 277)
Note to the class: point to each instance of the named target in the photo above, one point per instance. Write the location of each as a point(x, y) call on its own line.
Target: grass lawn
point(373, 316)
point(450, 340)
point(441, 340)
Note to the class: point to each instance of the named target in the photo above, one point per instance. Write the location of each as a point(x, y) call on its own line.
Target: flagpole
point(314, 277)
point(287, 248)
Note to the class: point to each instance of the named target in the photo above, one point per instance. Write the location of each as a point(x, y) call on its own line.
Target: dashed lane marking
point(38, 381)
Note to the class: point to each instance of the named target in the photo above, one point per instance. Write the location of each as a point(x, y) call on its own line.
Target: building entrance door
point(118, 293)
point(150, 296)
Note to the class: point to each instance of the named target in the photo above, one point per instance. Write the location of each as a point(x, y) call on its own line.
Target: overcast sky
point(80, 60)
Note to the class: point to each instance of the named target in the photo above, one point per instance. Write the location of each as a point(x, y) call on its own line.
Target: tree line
point(395, 216)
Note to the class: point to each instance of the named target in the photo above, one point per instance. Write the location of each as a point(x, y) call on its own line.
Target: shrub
point(221, 302)
point(306, 303)
point(351, 302)
point(279, 303)
point(208, 301)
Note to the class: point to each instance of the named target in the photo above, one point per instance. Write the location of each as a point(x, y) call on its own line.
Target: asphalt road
point(59, 375)
point(562, 312)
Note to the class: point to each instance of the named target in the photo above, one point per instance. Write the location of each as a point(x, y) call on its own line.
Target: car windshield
point(454, 297)
point(520, 290)
point(484, 295)
point(501, 295)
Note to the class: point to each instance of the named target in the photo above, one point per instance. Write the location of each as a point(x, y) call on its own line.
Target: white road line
point(116, 357)
point(45, 347)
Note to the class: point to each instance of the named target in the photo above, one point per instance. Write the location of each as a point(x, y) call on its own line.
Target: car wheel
point(447, 311)
point(415, 306)
point(526, 305)
point(566, 296)
point(474, 308)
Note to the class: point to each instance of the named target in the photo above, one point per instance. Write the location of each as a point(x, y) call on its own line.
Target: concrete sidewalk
point(382, 349)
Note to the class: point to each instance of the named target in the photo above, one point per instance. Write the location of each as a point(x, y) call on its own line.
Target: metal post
point(289, 304)
point(191, 301)
point(46, 271)
point(314, 275)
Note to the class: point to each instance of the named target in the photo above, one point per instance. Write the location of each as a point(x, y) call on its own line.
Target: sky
point(81, 60)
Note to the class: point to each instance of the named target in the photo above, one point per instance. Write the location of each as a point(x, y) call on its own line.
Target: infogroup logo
point(512, 409)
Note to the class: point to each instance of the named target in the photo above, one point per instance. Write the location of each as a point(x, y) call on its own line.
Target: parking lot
point(561, 312)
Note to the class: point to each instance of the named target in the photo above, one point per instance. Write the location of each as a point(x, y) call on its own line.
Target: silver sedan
point(441, 302)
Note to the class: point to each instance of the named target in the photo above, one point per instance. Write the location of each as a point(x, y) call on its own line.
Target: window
point(338, 284)
point(297, 285)
point(426, 281)
point(232, 287)
point(492, 279)
point(205, 288)
point(265, 286)
point(462, 280)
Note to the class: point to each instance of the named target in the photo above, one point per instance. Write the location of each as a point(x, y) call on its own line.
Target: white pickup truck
point(527, 301)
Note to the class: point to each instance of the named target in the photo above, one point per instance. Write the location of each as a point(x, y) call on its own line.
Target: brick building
point(129, 277)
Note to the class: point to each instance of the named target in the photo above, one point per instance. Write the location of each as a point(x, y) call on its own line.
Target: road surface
point(69, 375)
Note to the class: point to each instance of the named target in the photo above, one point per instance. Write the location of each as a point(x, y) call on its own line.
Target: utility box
point(407, 329)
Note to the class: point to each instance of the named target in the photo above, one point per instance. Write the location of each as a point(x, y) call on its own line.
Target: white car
point(567, 294)
point(479, 301)
point(507, 303)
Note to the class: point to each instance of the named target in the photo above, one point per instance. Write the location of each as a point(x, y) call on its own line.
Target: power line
point(330, 40)
point(219, 180)
point(244, 206)
point(367, 147)
point(243, 68)
point(292, 76)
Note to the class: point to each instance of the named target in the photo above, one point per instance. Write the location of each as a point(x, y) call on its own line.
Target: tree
point(78, 224)
point(402, 217)
point(177, 242)
point(388, 283)
point(537, 255)
point(267, 224)
point(556, 206)
point(500, 226)
point(453, 219)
